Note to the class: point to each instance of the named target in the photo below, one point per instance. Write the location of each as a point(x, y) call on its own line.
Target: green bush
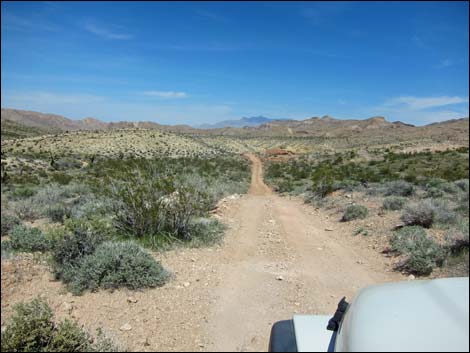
point(32, 329)
point(355, 212)
point(394, 203)
point(434, 192)
point(399, 188)
point(57, 212)
point(138, 204)
point(24, 191)
point(8, 222)
point(421, 253)
point(27, 239)
point(69, 337)
point(69, 252)
point(404, 240)
point(115, 265)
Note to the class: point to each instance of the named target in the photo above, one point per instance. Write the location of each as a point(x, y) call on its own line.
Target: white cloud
point(444, 63)
point(422, 110)
point(105, 32)
point(211, 15)
point(165, 94)
point(418, 103)
point(17, 23)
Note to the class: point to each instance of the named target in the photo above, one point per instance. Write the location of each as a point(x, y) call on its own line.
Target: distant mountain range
point(21, 123)
point(243, 122)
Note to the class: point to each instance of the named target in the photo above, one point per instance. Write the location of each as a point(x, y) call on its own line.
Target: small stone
point(126, 327)
point(320, 249)
point(280, 278)
point(186, 284)
point(348, 196)
point(329, 229)
point(132, 300)
point(411, 277)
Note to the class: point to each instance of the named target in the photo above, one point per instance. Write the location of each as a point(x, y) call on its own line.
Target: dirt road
point(279, 257)
point(278, 260)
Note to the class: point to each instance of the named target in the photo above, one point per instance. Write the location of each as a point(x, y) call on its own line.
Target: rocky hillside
point(325, 127)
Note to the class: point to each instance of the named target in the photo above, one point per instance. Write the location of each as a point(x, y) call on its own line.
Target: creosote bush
point(32, 329)
point(354, 212)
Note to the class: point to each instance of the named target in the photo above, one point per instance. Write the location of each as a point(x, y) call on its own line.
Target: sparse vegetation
point(421, 253)
point(427, 212)
point(394, 203)
point(28, 239)
point(114, 265)
point(8, 222)
point(32, 329)
point(355, 212)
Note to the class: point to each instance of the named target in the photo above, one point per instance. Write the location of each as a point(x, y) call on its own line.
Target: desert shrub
point(146, 205)
point(462, 184)
point(206, 231)
point(443, 213)
point(23, 191)
point(355, 212)
point(57, 212)
point(114, 265)
point(27, 239)
point(61, 178)
point(8, 222)
point(138, 205)
point(421, 253)
point(69, 337)
point(285, 185)
point(26, 209)
point(420, 213)
point(457, 241)
point(434, 192)
point(179, 208)
point(90, 207)
point(394, 203)
point(404, 240)
point(450, 188)
point(68, 252)
point(463, 202)
point(457, 238)
point(32, 329)
point(399, 188)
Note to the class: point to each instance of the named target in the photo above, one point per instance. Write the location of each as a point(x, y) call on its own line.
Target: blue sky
point(202, 62)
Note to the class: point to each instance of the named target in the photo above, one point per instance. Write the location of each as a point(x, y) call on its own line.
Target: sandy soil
point(279, 257)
